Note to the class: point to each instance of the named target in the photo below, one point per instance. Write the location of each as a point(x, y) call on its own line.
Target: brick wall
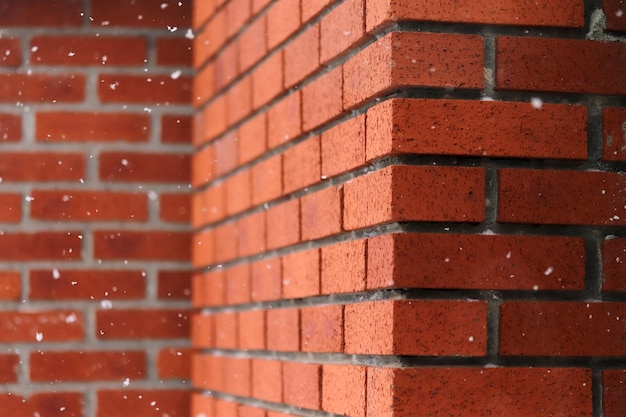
point(95, 125)
point(404, 208)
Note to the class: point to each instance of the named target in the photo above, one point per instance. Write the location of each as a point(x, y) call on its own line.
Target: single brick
point(561, 197)
point(41, 88)
point(283, 224)
point(560, 65)
point(204, 85)
point(531, 392)
point(174, 363)
point(267, 181)
point(141, 13)
point(301, 165)
point(341, 28)
point(613, 392)
point(302, 56)
point(252, 136)
point(476, 128)
point(203, 166)
point(239, 100)
point(41, 326)
point(252, 233)
point(85, 284)
point(87, 366)
point(176, 129)
point(207, 371)
point(10, 127)
point(174, 52)
point(74, 205)
point(203, 248)
point(238, 284)
point(301, 274)
point(343, 389)
point(406, 59)
point(238, 376)
point(343, 267)
point(40, 246)
point(174, 285)
point(225, 244)
point(208, 289)
point(146, 402)
point(614, 265)
point(267, 380)
point(453, 261)
point(414, 193)
point(302, 384)
point(85, 127)
point(226, 330)
point(266, 279)
point(238, 190)
point(322, 99)
point(42, 13)
point(11, 209)
point(252, 330)
point(202, 403)
point(283, 18)
point(10, 52)
point(226, 67)
point(175, 207)
point(283, 329)
point(142, 324)
point(267, 80)
point(202, 331)
point(41, 166)
point(321, 213)
point(322, 329)
point(52, 404)
point(416, 327)
point(284, 121)
point(125, 166)
point(569, 13)
point(553, 328)
point(9, 365)
point(201, 12)
point(343, 147)
point(614, 133)
point(210, 39)
point(88, 50)
point(311, 8)
point(252, 44)
point(10, 286)
point(237, 13)
point(144, 89)
point(615, 12)
point(226, 153)
point(144, 245)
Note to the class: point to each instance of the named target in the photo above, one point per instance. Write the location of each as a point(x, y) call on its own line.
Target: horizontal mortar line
point(145, 69)
point(98, 346)
point(105, 31)
point(36, 305)
point(60, 387)
point(103, 108)
point(95, 146)
point(136, 188)
point(39, 226)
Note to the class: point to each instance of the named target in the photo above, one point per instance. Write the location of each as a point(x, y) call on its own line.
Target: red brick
point(343, 147)
point(248, 411)
point(145, 167)
point(174, 285)
point(238, 378)
point(141, 13)
point(202, 11)
point(203, 166)
point(226, 408)
point(614, 133)
point(83, 127)
point(252, 330)
point(66, 404)
point(141, 245)
point(211, 122)
point(613, 392)
point(302, 56)
point(142, 324)
point(301, 165)
point(252, 44)
point(284, 120)
point(267, 380)
point(208, 289)
point(238, 192)
point(283, 224)
point(322, 328)
point(283, 19)
point(144, 89)
point(418, 59)
point(252, 138)
point(203, 248)
point(74, 205)
point(252, 234)
point(561, 197)
point(202, 331)
point(302, 385)
point(414, 193)
point(208, 205)
point(174, 363)
point(11, 209)
point(341, 28)
point(226, 153)
point(562, 329)
point(476, 262)
point(145, 403)
point(88, 50)
point(175, 208)
point(343, 389)
point(41, 88)
point(9, 365)
point(176, 129)
point(173, 52)
point(301, 274)
point(343, 267)
point(560, 65)
point(207, 371)
point(531, 392)
point(267, 80)
point(226, 242)
point(10, 128)
point(267, 180)
point(311, 8)
point(237, 13)
point(257, 5)
point(10, 286)
point(283, 330)
point(226, 65)
point(84, 284)
point(479, 128)
point(322, 99)
point(49, 326)
point(11, 53)
point(239, 100)
point(615, 12)
point(204, 85)
point(87, 366)
point(614, 265)
point(416, 327)
point(201, 403)
point(40, 246)
point(569, 13)
point(41, 166)
point(266, 279)
point(226, 331)
point(58, 13)
point(238, 284)
point(208, 41)
point(321, 213)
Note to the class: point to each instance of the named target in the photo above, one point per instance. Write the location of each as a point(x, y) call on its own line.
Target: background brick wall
point(404, 208)
point(95, 125)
